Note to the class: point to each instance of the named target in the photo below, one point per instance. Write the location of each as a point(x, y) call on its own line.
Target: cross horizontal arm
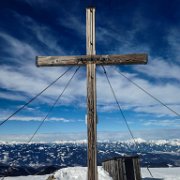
point(86, 59)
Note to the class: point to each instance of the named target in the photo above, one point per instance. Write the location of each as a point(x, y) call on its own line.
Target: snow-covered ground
point(80, 173)
point(43, 177)
point(174, 142)
point(161, 173)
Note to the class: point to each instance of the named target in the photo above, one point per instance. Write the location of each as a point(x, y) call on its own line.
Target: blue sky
point(29, 28)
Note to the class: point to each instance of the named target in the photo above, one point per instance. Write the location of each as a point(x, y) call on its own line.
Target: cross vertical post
point(91, 95)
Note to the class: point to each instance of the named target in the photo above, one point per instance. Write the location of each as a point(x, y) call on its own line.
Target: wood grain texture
point(91, 122)
point(87, 59)
point(122, 167)
point(91, 95)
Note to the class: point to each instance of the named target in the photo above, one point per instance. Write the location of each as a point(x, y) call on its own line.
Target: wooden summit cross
point(91, 60)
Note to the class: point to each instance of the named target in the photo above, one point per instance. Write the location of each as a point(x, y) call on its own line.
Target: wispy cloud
point(124, 89)
point(26, 75)
point(11, 96)
point(74, 23)
point(160, 68)
point(163, 123)
point(117, 40)
point(158, 110)
point(16, 48)
point(40, 118)
point(173, 39)
point(27, 80)
point(22, 82)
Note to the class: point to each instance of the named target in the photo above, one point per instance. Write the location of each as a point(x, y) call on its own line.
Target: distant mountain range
point(42, 158)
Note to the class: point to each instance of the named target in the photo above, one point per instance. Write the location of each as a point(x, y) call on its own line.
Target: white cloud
point(25, 77)
point(128, 94)
point(45, 35)
point(158, 110)
point(173, 39)
point(74, 23)
point(17, 48)
point(159, 68)
point(123, 41)
point(163, 123)
point(28, 80)
point(39, 118)
point(107, 107)
point(11, 96)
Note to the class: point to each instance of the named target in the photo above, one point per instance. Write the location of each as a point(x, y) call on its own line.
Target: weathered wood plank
point(87, 59)
point(91, 95)
point(123, 168)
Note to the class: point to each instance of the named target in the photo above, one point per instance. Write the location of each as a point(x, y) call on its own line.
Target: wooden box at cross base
point(123, 168)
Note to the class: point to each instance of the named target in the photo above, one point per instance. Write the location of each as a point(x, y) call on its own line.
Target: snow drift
point(80, 173)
